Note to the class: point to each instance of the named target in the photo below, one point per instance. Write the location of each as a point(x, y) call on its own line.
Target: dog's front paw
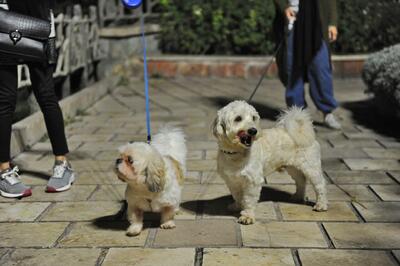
point(320, 206)
point(134, 229)
point(168, 225)
point(246, 220)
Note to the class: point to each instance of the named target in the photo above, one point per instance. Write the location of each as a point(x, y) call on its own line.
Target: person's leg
point(43, 87)
point(321, 86)
point(294, 90)
point(321, 83)
point(8, 101)
point(10, 184)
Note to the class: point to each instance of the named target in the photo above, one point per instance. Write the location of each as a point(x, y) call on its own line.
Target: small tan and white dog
point(246, 154)
point(154, 174)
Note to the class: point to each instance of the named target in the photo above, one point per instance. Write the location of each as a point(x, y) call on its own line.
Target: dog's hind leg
point(314, 174)
point(135, 217)
point(300, 180)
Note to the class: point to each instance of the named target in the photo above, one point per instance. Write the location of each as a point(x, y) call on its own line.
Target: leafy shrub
point(367, 26)
point(217, 27)
point(381, 73)
point(245, 27)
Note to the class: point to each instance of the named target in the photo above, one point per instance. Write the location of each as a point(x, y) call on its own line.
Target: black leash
point(266, 70)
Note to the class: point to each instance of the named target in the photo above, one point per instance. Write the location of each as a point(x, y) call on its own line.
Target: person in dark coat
point(306, 27)
point(41, 74)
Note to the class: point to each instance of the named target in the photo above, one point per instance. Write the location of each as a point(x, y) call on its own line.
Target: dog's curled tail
point(298, 124)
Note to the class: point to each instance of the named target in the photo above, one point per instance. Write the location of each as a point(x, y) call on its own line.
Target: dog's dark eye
point(130, 159)
point(254, 118)
point(238, 119)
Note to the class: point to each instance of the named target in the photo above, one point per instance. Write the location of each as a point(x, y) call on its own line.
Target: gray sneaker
point(11, 185)
point(62, 179)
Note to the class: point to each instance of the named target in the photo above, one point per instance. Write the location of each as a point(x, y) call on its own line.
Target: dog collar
point(229, 152)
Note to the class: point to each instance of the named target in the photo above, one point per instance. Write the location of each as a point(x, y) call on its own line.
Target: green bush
point(245, 27)
point(381, 73)
point(367, 26)
point(217, 26)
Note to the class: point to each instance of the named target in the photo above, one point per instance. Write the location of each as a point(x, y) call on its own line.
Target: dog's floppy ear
point(217, 127)
point(155, 174)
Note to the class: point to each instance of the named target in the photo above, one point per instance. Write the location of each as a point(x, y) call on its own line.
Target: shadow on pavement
point(365, 113)
point(219, 206)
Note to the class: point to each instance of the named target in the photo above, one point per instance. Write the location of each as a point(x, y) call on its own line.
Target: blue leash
point(135, 4)
point(146, 78)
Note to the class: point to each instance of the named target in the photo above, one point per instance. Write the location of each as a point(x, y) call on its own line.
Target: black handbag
point(23, 38)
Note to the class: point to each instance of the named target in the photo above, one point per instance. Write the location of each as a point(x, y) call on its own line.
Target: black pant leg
point(43, 88)
point(8, 101)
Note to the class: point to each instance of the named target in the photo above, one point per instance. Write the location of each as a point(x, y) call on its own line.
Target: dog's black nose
point(252, 131)
point(118, 161)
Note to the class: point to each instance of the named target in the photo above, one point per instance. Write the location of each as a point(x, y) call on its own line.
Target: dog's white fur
point(155, 178)
point(291, 145)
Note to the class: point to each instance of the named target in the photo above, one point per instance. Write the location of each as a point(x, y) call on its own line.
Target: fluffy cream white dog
point(154, 174)
point(247, 154)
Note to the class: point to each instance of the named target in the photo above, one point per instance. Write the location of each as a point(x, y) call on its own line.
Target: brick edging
point(238, 66)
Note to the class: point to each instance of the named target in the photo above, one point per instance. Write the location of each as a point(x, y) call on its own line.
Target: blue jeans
point(319, 76)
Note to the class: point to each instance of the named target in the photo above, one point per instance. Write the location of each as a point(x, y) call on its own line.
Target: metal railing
point(78, 36)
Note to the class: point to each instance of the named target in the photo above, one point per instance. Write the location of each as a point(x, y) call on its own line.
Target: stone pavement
point(86, 225)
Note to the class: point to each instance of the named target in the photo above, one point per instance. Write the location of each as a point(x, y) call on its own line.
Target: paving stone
point(191, 192)
point(367, 235)
point(284, 192)
point(219, 209)
point(83, 211)
point(50, 257)
point(202, 145)
point(280, 178)
point(372, 164)
point(97, 177)
point(380, 211)
point(282, 234)
point(212, 177)
point(202, 165)
point(102, 233)
point(338, 211)
point(383, 153)
point(246, 256)
point(211, 192)
point(30, 234)
point(101, 146)
point(195, 155)
point(343, 153)
point(396, 253)
point(333, 164)
point(355, 143)
point(193, 177)
point(150, 257)
point(329, 257)
point(199, 233)
point(91, 165)
point(29, 179)
point(90, 137)
point(395, 175)
point(387, 192)
point(390, 144)
point(359, 177)
point(109, 193)
point(21, 211)
point(76, 193)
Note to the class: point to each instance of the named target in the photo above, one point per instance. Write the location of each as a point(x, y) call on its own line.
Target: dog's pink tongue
point(242, 133)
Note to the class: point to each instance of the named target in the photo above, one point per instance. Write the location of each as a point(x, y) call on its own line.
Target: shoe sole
point(64, 188)
point(26, 193)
